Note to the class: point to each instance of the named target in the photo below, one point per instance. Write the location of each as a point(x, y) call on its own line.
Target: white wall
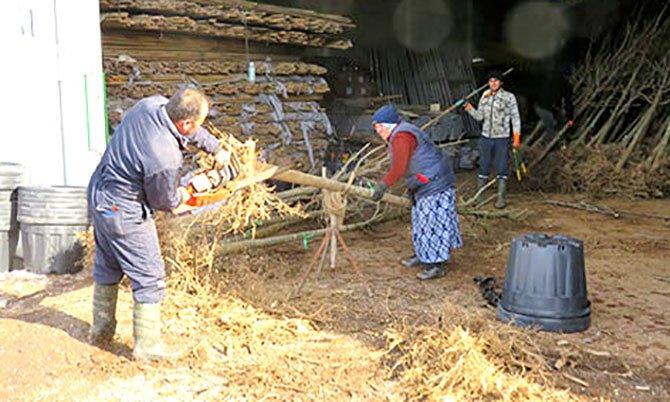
point(54, 89)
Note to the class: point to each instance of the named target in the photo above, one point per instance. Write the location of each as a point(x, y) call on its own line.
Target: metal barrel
point(11, 177)
point(51, 219)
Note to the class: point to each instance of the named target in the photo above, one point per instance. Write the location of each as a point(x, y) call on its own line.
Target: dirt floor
point(336, 326)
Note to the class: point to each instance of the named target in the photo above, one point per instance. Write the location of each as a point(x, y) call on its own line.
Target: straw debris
point(470, 358)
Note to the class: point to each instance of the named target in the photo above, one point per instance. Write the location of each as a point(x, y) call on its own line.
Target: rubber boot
point(502, 187)
point(104, 313)
point(481, 182)
point(149, 344)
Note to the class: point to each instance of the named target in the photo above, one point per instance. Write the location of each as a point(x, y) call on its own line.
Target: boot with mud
point(104, 314)
point(149, 345)
point(502, 187)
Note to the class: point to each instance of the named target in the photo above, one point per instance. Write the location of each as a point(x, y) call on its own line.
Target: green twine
point(305, 238)
point(247, 234)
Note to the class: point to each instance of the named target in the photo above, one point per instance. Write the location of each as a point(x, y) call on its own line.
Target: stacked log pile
point(154, 47)
point(227, 19)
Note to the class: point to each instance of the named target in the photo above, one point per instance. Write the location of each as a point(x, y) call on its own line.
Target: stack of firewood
point(154, 47)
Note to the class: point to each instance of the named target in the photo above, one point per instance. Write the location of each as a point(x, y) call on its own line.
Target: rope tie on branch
point(335, 204)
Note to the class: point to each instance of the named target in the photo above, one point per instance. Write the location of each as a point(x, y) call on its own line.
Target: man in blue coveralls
point(138, 174)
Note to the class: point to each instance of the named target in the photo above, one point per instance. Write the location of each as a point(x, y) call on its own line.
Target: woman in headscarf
point(431, 182)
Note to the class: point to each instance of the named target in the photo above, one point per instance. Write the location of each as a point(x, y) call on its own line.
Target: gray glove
point(379, 191)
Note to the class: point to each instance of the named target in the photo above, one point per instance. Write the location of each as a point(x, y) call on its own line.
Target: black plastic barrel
point(545, 284)
point(51, 218)
point(11, 176)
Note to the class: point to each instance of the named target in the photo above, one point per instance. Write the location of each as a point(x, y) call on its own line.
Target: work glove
point(379, 191)
point(517, 140)
point(464, 104)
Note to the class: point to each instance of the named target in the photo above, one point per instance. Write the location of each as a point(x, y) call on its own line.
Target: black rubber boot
point(149, 344)
point(502, 187)
point(104, 314)
point(433, 271)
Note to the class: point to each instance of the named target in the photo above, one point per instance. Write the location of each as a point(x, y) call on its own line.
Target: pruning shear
point(519, 164)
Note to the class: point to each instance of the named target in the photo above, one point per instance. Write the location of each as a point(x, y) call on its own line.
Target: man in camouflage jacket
point(497, 109)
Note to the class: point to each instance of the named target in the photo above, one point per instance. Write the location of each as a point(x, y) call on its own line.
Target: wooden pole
point(226, 248)
point(457, 104)
point(549, 147)
point(644, 124)
point(656, 156)
point(304, 179)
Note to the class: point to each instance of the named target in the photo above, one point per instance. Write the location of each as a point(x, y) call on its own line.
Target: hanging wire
point(246, 35)
point(251, 69)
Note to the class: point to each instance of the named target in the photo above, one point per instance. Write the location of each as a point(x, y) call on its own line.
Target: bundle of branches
point(361, 170)
point(593, 171)
point(470, 357)
point(622, 98)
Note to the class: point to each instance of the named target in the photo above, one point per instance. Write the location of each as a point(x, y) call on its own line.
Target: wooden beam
point(304, 179)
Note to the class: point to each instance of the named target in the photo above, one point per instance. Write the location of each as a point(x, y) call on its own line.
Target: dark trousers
point(493, 153)
point(126, 247)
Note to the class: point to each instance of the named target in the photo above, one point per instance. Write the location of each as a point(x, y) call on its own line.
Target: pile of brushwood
point(468, 356)
point(620, 144)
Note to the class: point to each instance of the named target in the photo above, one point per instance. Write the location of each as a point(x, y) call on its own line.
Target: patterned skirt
point(435, 229)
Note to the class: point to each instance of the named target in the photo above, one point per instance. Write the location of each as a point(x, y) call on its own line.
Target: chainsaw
point(211, 184)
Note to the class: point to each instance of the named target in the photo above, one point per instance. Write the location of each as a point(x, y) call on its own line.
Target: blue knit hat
point(386, 114)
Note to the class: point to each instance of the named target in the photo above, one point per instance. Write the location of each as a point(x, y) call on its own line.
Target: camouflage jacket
point(497, 111)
